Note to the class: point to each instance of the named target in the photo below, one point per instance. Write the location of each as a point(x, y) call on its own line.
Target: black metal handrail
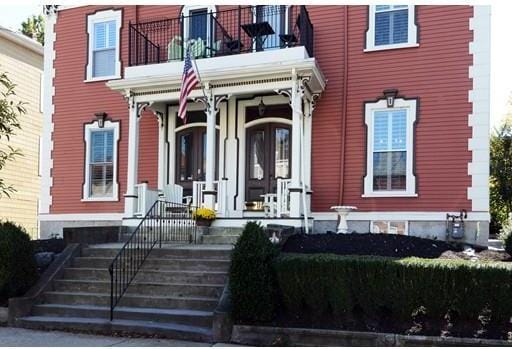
point(227, 32)
point(164, 222)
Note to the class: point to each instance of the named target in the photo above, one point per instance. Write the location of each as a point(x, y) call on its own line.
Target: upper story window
point(391, 26)
point(101, 162)
point(390, 149)
point(103, 29)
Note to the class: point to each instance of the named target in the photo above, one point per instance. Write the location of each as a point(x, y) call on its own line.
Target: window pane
point(101, 180)
point(282, 156)
point(186, 157)
point(100, 35)
point(380, 131)
point(382, 25)
point(399, 129)
point(97, 147)
point(389, 170)
point(104, 63)
point(111, 34)
point(400, 26)
point(256, 154)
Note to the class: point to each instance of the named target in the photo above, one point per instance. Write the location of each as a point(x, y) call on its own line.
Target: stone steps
point(179, 252)
point(104, 325)
point(177, 276)
point(143, 287)
point(220, 239)
point(159, 263)
point(131, 300)
point(181, 316)
point(173, 295)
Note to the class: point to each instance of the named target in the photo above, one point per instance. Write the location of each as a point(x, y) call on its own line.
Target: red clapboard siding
point(436, 73)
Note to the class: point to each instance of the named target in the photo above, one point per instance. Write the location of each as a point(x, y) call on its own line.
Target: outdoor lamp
point(390, 97)
point(100, 118)
point(261, 107)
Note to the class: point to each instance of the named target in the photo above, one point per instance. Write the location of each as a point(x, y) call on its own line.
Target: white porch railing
point(283, 197)
point(220, 187)
point(145, 198)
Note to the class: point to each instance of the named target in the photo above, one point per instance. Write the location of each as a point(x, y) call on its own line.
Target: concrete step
point(179, 316)
point(131, 300)
point(220, 239)
point(171, 276)
point(225, 231)
point(214, 252)
point(158, 263)
point(142, 288)
point(102, 325)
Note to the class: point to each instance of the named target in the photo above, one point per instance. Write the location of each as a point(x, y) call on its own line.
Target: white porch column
point(297, 113)
point(211, 112)
point(130, 197)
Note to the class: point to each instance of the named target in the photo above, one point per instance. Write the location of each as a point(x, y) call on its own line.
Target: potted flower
point(203, 216)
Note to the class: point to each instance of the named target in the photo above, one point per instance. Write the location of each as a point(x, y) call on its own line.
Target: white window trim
point(412, 35)
point(406, 231)
point(89, 128)
point(191, 8)
point(98, 17)
point(370, 109)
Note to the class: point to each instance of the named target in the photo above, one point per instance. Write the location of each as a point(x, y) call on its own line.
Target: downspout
point(344, 106)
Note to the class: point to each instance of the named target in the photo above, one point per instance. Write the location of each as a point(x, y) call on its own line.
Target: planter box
point(4, 311)
point(269, 336)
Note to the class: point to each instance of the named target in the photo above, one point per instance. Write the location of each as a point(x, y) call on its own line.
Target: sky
point(11, 16)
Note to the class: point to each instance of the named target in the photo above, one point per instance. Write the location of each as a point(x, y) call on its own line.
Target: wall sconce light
point(390, 97)
point(100, 118)
point(261, 108)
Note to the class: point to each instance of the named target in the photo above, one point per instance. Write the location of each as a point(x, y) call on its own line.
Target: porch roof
point(246, 73)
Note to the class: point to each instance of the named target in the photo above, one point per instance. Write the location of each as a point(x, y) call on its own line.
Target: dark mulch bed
point(369, 244)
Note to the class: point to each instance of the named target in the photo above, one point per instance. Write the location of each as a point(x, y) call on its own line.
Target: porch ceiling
point(238, 74)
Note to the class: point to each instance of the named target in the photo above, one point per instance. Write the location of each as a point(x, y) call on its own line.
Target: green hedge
point(18, 270)
point(337, 285)
point(251, 278)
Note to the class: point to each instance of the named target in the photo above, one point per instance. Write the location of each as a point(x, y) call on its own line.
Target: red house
point(385, 108)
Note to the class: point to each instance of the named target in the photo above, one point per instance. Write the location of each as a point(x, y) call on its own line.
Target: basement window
point(389, 227)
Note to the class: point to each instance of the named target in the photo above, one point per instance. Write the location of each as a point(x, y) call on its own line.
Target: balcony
point(245, 29)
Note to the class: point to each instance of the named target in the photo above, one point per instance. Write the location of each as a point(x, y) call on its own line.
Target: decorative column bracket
point(312, 104)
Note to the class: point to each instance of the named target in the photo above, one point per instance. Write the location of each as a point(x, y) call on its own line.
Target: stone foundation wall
point(49, 228)
point(476, 232)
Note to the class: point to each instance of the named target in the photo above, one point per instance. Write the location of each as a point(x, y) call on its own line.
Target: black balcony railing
point(211, 34)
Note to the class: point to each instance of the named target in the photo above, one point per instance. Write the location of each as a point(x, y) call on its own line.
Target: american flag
point(189, 80)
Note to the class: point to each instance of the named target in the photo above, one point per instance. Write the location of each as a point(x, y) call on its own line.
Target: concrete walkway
point(18, 337)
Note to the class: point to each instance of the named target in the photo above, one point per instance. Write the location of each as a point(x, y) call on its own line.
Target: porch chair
point(174, 193)
point(174, 49)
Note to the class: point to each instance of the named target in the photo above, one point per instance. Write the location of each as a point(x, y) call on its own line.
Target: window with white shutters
point(391, 26)
point(104, 49)
point(103, 28)
point(390, 150)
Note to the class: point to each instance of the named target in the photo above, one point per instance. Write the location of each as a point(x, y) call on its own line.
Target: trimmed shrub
point(506, 236)
point(336, 286)
point(18, 271)
point(251, 278)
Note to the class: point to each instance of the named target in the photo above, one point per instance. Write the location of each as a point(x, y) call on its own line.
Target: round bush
point(506, 237)
point(251, 277)
point(18, 270)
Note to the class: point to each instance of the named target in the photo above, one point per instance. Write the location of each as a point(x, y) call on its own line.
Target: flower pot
point(203, 222)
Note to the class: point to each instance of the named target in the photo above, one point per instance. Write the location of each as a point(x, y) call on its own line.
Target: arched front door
point(191, 157)
point(268, 157)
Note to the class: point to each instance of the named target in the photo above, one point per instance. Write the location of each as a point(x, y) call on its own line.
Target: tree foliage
point(33, 27)
point(500, 185)
point(10, 110)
